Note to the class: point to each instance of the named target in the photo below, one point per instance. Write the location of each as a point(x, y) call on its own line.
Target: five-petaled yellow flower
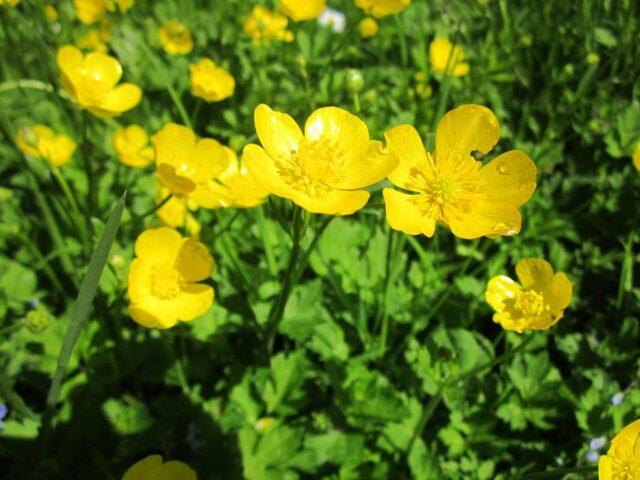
point(50, 12)
point(39, 141)
point(91, 82)
point(536, 303)
point(305, 10)
point(263, 24)
point(324, 169)
point(163, 280)
point(210, 82)
point(447, 59)
point(185, 165)
point(382, 8)
point(152, 468)
point(132, 145)
point(90, 11)
point(636, 157)
point(622, 461)
point(368, 27)
point(175, 212)
point(175, 38)
point(451, 187)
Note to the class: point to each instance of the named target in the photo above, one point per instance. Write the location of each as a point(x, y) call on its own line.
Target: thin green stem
point(427, 413)
point(404, 51)
point(384, 332)
point(356, 102)
point(558, 472)
point(177, 101)
point(149, 212)
point(25, 83)
point(76, 213)
point(88, 168)
point(304, 260)
point(196, 112)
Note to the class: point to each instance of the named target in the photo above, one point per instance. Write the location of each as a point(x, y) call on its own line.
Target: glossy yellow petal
point(534, 271)
point(172, 143)
point(177, 184)
point(414, 167)
point(558, 293)
point(382, 8)
point(334, 202)
point(490, 220)
point(279, 134)
point(305, 10)
point(105, 71)
point(211, 195)
point(194, 261)
point(61, 150)
point(369, 169)
point(403, 214)
point(636, 157)
point(122, 98)
point(145, 469)
point(139, 280)
point(71, 63)
point(465, 129)
point(137, 136)
point(208, 160)
point(461, 69)
point(605, 468)
point(153, 314)
point(510, 178)
point(264, 170)
point(175, 471)
point(508, 322)
point(499, 290)
point(161, 244)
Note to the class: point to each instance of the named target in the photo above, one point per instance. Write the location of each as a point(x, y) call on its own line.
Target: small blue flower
point(617, 399)
point(597, 443)
point(3, 413)
point(592, 456)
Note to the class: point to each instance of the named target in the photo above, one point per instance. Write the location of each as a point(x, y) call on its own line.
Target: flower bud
point(353, 81)
point(37, 321)
point(117, 261)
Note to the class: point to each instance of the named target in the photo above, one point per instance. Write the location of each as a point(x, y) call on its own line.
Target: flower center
point(530, 303)
point(312, 169)
point(165, 281)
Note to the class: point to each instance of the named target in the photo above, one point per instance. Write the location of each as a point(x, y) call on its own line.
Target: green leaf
point(127, 417)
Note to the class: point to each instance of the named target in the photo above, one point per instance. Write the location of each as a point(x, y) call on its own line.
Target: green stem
point(356, 102)
point(88, 168)
point(404, 52)
point(179, 105)
point(384, 332)
point(196, 112)
point(151, 211)
point(558, 472)
point(277, 311)
point(25, 83)
point(304, 260)
point(77, 214)
point(427, 413)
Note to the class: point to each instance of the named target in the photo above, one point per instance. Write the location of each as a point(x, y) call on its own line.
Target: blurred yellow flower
point(305, 10)
point(175, 38)
point(447, 59)
point(368, 27)
point(322, 170)
point(152, 468)
point(382, 8)
point(40, 141)
point(263, 24)
point(90, 11)
point(132, 145)
point(636, 157)
point(472, 199)
point(91, 81)
point(96, 39)
point(175, 212)
point(210, 82)
point(10, 3)
point(536, 303)
point(50, 12)
point(185, 165)
point(122, 5)
point(163, 278)
point(622, 461)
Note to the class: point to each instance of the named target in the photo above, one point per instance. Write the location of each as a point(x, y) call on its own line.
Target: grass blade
point(87, 292)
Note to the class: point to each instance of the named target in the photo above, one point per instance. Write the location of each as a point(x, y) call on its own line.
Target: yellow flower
point(10, 3)
point(322, 170)
point(472, 199)
point(175, 213)
point(152, 468)
point(175, 38)
point(39, 141)
point(210, 82)
point(263, 24)
point(536, 303)
point(447, 59)
point(382, 8)
point(163, 286)
point(636, 157)
point(50, 12)
point(368, 27)
point(185, 165)
point(90, 11)
point(305, 10)
point(91, 82)
point(96, 39)
point(132, 145)
point(622, 461)
point(123, 5)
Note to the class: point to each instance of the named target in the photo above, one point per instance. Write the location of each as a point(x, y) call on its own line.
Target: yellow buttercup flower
point(96, 39)
point(132, 145)
point(210, 82)
point(636, 157)
point(175, 38)
point(10, 3)
point(382, 8)
point(40, 141)
point(322, 170)
point(305, 10)
point(122, 5)
point(536, 303)
point(447, 59)
point(622, 461)
point(152, 468)
point(91, 81)
point(50, 12)
point(90, 11)
point(185, 165)
point(472, 199)
point(175, 212)
point(263, 24)
point(368, 27)
point(163, 280)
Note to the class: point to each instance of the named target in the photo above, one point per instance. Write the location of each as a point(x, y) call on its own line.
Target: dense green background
point(340, 409)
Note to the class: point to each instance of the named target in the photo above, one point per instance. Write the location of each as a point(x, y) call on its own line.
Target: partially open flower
point(175, 38)
point(447, 59)
point(210, 82)
point(132, 145)
point(41, 142)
